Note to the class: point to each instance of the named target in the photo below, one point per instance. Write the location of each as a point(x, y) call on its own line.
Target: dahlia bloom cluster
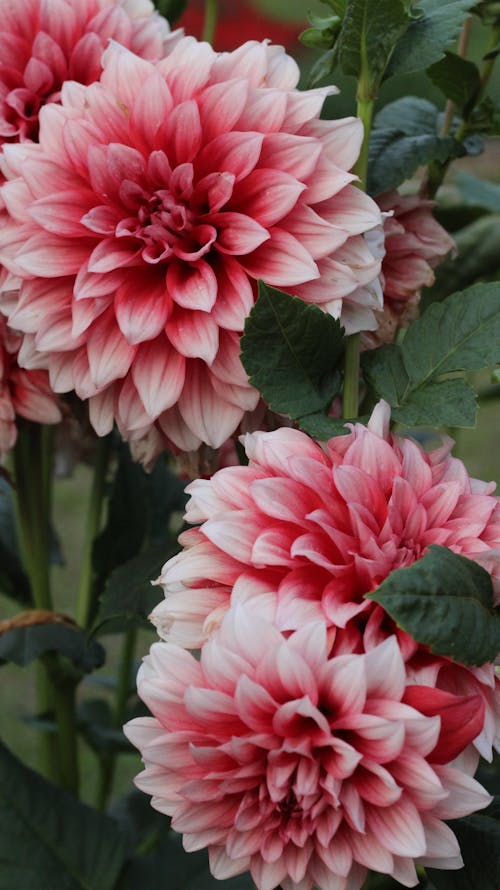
point(314, 739)
point(139, 225)
point(414, 243)
point(46, 42)
point(24, 393)
point(305, 768)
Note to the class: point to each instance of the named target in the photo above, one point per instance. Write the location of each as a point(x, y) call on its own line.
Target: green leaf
point(316, 39)
point(323, 22)
point(323, 67)
point(322, 427)
point(370, 31)
point(140, 509)
point(478, 192)
point(171, 9)
point(48, 839)
point(405, 136)
point(488, 10)
point(479, 840)
point(438, 404)
point(485, 118)
point(126, 522)
point(445, 602)
point(14, 582)
point(385, 373)
point(129, 594)
point(95, 722)
point(21, 645)
point(427, 38)
point(137, 818)
point(462, 333)
point(186, 871)
point(291, 351)
point(457, 78)
point(477, 257)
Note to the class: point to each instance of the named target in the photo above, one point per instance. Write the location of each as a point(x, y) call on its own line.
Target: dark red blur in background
point(238, 21)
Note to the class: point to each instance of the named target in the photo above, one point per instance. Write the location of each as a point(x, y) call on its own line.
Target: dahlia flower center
point(165, 221)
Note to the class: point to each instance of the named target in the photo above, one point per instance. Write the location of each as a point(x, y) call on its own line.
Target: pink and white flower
point(303, 533)
point(46, 42)
point(304, 768)
point(141, 222)
point(414, 244)
point(23, 393)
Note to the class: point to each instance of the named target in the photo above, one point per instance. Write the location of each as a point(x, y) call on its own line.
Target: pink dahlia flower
point(304, 533)
point(414, 244)
point(45, 42)
point(304, 768)
point(23, 393)
point(142, 220)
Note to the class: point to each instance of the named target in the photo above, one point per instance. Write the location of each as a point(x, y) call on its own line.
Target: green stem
point(124, 677)
point(33, 482)
point(32, 461)
point(93, 524)
point(68, 737)
point(350, 402)
point(210, 22)
point(365, 113)
point(351, 361)
point(64, 686)
point(48, 756)
point(107, 760)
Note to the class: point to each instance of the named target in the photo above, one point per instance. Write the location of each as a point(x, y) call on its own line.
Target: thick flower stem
point(210, 22)
point(64, 687)
point(93, 524)
point(32, 467)
point(351, 361)
point(365, 113)
point(107, 760)
point(351, 377)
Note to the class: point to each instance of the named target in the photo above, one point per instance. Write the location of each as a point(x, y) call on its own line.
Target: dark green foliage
point(445, 602)
point(429, 35)
point(461, 333)
point(479, 839)
point(320, 426)
point(129, 595)
point(406, 135)
point(291, 352)
point(137, 818)
point(456, 77)
point(370, 31)
point(477, 257)
point(179, 870)
point(13, 580)
point(21, 645)
point(171, 9)
point(95, 721)
point(478, 192)
point(126, 525)
point(136, 539)
point(49, 840)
